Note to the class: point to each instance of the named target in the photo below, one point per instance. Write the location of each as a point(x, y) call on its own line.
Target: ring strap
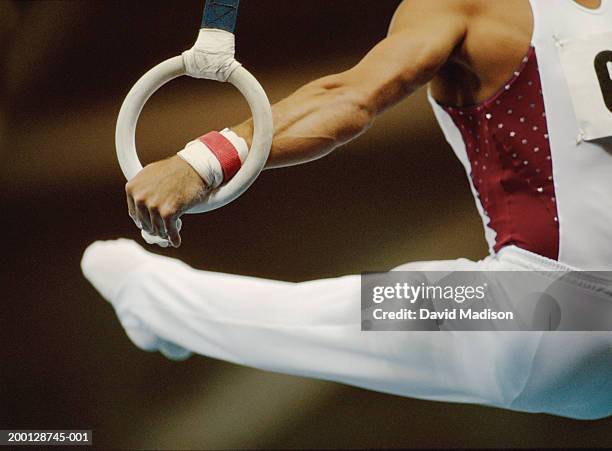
point(220, 15)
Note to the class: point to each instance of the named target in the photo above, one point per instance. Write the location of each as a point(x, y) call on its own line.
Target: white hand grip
point(125, 135)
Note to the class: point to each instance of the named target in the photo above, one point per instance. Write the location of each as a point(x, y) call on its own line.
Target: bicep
point(422, 37)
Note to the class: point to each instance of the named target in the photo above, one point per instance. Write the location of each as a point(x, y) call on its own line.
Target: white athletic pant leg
point(310, 329)
point(571, 374)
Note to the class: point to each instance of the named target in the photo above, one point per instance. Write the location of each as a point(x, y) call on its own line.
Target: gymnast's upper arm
point(422, 36)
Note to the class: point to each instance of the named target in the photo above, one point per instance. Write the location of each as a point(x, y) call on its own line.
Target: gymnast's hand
point(161, 193)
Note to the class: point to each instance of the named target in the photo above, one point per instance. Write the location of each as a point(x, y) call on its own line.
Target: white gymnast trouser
point(313, 329)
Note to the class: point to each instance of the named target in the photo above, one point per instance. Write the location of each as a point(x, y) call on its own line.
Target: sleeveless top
point(538, 153)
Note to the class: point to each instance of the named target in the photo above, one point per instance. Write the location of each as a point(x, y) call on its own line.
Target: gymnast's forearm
point(313, 121)
point(329, 112)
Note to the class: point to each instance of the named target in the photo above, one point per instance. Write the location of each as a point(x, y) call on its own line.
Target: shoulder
point(436, 12)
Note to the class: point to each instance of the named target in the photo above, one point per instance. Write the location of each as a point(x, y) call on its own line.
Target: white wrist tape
point(210, 163)
point(239, 143)
point(212, 56)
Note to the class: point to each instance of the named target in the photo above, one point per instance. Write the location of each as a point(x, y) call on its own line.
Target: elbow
point(345, 107)
point(362, 109)
point(357, 110)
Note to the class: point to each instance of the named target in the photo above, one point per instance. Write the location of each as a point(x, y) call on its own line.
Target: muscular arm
point(321, 115)
point(333, 110)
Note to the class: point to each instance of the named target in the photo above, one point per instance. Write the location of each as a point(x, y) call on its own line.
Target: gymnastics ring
point(217, 16)
point(249, 87)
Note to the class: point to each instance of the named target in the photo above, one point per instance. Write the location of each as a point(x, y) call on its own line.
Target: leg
point(310, 329)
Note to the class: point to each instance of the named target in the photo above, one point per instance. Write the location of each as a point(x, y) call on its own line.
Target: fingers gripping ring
point(125, 136)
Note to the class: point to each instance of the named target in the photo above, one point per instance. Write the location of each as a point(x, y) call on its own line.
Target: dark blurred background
point(394, 195)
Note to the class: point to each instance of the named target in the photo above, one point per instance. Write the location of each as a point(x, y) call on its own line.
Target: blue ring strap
point(220, 14)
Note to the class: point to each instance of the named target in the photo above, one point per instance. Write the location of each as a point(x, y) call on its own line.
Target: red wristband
point(225, 152)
